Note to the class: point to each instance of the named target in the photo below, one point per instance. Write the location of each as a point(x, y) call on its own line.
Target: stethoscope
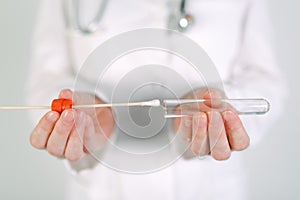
point(179, 21)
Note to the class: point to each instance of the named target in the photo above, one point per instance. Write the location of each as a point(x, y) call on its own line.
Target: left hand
point(74, 133)
point(211, 129)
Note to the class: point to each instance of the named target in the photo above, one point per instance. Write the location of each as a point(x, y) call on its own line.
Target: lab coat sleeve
point(50, 69)
point(255, 73)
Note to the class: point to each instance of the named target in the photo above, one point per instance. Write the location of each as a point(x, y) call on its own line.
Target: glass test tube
point(240, 106)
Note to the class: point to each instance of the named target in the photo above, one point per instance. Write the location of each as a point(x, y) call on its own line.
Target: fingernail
point(52, 116)
point(68, 116)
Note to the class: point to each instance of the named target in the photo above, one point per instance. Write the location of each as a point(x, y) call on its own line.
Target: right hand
point(74, 133)
point(213, 128)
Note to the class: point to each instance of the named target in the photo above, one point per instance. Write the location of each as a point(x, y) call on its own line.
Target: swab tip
point(154, 103)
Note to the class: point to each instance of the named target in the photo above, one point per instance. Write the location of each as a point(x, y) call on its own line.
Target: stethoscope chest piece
point(180, 20)
point(184, 22)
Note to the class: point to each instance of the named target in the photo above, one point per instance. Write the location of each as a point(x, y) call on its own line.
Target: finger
point(90, 139)
point(58, 138)
point(200, 144)
point(213, 98)
point(237, 135)
point(74, 148)
point(219, 146)
point(185, 128)
point(177, 121)
point(41, 132)
point(105, 121)
point(66, 94)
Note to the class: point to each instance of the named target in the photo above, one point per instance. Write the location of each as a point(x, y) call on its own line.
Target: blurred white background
point(26, 173)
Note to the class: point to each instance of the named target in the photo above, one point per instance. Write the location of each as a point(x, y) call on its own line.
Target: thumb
point(65, 94)
point(213, 98)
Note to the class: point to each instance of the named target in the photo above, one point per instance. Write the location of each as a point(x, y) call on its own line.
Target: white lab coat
point(236, 34)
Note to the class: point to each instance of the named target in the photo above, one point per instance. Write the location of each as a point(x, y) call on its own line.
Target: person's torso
point(217, 28)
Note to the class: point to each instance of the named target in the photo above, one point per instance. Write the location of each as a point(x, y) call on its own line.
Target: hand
point(75, 132)
point(212, 127)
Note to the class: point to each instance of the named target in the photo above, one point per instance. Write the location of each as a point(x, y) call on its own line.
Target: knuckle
point(62, 130)
point(42, 130)
point(38, 137)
